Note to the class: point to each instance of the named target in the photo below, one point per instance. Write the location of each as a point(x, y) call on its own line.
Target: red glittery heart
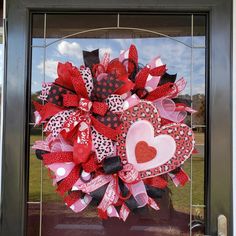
point(144, 152)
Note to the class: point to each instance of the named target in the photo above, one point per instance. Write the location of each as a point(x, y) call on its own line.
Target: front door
point(181, 43)
point(184, 42)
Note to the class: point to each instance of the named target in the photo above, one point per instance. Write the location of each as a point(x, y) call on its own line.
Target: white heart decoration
point(143, 131)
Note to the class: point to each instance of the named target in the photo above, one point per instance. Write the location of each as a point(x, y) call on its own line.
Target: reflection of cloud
point(50, 68)
point(198, 88)
point(124, 43)
point(175, 55)
point(69, 49)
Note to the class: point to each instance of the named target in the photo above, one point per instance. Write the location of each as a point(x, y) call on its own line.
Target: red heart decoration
point(144, 152)
point(146, 115)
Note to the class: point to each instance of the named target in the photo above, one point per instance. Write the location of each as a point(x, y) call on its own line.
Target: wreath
point(115, 132)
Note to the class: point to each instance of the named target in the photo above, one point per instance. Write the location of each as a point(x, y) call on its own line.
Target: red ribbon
point(168, 89)
point(71, 198)
point(57, 157)
point(77, 129)
point(157, 182)
point(100, 108)
point(47, 110)
point(143, 75)
point(82, 102)
point(104, 130)
point(67, 183)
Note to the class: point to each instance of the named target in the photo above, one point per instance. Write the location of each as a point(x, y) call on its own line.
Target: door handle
point(222, 225)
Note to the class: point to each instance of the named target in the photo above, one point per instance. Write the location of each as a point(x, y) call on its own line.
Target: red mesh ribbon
point(100, 108)
point(161, 91)
point(128, 85)
point(70, 100)
point(57, 157)
point(143, 75)
point(71, 198)
point(47, 110)
point(91, 165)
point(102, 214)
point(133, 58)
point(79, 86)
point(67, 183)
point(182, 177)
point(157, 182)
point(98, 69)
point(65, 72)
point(116, 67)
point(180, 107)
point(142, 78)
point(195, 151)
point(158, 71)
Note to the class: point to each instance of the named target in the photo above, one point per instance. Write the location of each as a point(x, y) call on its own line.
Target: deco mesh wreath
point(114, 132)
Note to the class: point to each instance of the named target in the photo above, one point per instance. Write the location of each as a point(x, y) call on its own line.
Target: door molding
point(16, 100)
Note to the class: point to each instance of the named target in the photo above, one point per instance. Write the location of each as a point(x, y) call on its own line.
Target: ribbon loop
point(70, 100)
point(100, 108)
point(112, 165)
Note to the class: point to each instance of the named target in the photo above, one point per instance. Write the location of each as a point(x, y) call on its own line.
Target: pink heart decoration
point(165, 145)
point(174, 143)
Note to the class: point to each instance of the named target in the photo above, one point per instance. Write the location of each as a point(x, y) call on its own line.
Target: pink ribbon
point(131, 101)
point(110, 197)
point(51, 144)
point(166, 108)
point(138, 190)
point(81, 204)
point(153, 81)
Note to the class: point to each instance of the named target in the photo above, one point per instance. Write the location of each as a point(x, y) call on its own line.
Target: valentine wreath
point(115, 132)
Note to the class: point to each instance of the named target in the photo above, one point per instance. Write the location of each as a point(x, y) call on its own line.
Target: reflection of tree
point(198, 103)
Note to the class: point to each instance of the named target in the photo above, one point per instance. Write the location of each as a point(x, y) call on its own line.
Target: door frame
point(219, 173)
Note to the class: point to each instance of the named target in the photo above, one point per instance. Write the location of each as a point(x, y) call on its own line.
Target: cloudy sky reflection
point(177, 56)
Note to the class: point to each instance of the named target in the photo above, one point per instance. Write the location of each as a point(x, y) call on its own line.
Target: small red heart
point(144, 152)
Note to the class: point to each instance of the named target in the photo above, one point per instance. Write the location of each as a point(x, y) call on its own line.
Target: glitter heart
point(144, 152)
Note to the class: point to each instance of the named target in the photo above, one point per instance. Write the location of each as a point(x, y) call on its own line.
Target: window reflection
point(173, 217)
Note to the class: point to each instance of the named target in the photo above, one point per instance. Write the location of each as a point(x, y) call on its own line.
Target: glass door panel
point(180, 41)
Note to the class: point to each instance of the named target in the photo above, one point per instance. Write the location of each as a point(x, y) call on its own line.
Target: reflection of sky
point(177, 56)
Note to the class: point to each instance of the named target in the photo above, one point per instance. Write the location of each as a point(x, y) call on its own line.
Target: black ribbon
point(112, 165)
point(182, 100)
point(154, 192)
point(124, 191)
point(167, 78)
point(39, 153)
point(176, 171)
point(131, 203)
point(135, 68)
point(98, 194)
point(91, 58)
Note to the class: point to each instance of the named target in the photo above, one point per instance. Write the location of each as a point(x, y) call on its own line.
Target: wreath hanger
point(117, 27)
